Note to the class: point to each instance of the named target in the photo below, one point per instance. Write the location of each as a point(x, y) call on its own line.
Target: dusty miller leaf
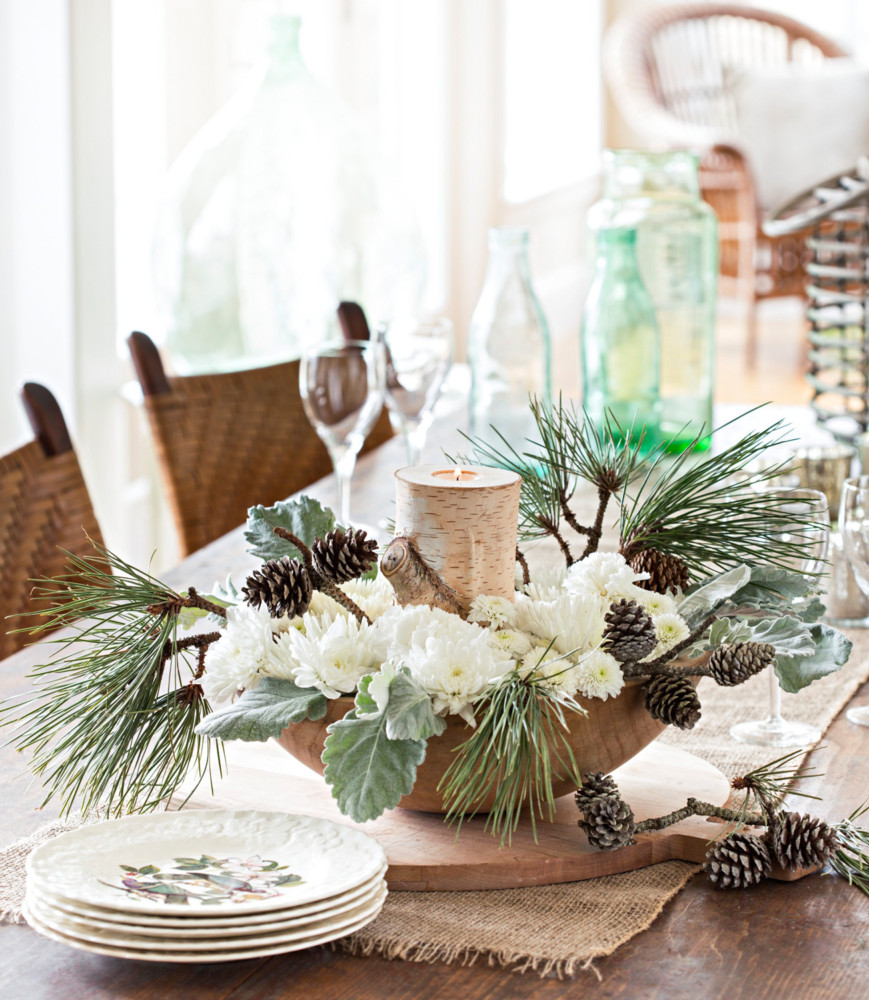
point(306, 518)
point(774, 587)
point(409, 714)
point(367, 771)
point(696, 605)
point(263, 712)
point(830, 653)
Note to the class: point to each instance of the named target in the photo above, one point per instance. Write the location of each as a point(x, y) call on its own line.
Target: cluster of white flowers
point(551, 632)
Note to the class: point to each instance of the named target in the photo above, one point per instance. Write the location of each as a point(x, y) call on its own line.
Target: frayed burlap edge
point(13, 859)
point(393, 947)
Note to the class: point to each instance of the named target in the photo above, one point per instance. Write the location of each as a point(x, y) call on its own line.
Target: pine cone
point(737, 862)
point(593, 787)
point(629, 632)
point(283, 585)
point(667, 572)
point(733, 664)
point(341, 557)
point(801, 841)
point(608, 823)
point(673, 701)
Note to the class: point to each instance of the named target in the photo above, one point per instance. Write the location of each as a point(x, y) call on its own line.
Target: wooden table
point(799, 941)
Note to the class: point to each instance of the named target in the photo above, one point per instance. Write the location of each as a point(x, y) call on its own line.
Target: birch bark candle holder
point(463, 522)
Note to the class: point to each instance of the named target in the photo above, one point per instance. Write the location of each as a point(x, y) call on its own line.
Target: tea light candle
point(463, 521)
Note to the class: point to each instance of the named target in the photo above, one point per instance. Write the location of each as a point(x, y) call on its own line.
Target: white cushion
point(799, 125)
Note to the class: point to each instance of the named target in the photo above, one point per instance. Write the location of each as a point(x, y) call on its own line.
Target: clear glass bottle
point(620, 340)
point(658, 195)
point(509, 349)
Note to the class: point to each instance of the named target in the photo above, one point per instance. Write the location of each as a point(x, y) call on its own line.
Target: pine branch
point(851, 859)
point(709, 513)
point(515, 753)
point(101, 731)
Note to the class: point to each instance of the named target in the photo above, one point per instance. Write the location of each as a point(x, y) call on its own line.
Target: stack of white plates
point(205, 886)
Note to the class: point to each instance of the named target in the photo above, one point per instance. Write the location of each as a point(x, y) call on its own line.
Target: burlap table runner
point(562, 928)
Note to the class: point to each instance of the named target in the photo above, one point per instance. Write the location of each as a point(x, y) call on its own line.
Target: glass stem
point(344, 461)
point(414, 432)
point(775, 716)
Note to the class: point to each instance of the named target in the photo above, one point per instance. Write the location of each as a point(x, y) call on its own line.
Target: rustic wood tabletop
point(778, 941)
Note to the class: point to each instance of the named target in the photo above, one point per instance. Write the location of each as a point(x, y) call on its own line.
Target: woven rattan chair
point(227, 441)
point(670, 70)
point(44, 507)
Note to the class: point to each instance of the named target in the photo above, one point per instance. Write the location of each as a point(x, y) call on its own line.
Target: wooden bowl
point(614, 731)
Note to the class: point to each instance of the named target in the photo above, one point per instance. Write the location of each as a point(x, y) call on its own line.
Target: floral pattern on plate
point(206, 880)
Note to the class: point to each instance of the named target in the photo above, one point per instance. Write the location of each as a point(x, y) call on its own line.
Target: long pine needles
point(111, 726)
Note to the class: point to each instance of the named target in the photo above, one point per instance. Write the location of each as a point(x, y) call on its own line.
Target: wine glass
point(854, 526)
point(341, 386)
point(419, 355)
point(810, 530)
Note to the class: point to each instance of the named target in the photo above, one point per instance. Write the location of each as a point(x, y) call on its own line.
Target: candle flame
point(457, 473)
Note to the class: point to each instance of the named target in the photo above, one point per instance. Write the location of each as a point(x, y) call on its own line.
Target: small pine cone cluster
point(673, 701)
point(282, 585)
point(739, 861)
point(594, 786)
point(666, 572)
point(344, 556)
point(608, 822)
point(629, 632)
point(732, 664)
point(797, 841)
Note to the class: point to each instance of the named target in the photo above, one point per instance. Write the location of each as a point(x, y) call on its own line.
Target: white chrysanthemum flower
point(599, 675)
point(456, 666)
point(574, 622)
point(400, 627)
point(657, 604)
point(557, 673)
point(546, 585)
point(375, 596)
point(510, 641)
point(334, 657)
point(242, 654)
point(605, 574)
point(669, 630)
point(496, 611)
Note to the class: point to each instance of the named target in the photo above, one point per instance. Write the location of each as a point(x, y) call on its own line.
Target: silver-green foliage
point(264, 712)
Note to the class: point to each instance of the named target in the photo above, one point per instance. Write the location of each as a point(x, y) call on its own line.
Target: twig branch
point(552, 529)
point(694, 807)
point(660, 664)
point(320, 582)
point(523, 562)
point(195, 600)
point(594, 535)
point(200, 642)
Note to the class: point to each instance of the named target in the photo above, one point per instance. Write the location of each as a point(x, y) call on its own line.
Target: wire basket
point(837, 212)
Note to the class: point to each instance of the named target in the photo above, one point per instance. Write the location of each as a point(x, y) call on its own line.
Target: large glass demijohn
point(279, 208)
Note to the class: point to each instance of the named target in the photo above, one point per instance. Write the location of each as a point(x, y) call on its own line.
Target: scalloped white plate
point(133, 934)
point(220, 861)
point(333, 925)
point(223, 955)
point(140, 922)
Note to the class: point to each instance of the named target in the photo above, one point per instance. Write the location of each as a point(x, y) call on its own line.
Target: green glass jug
point(620, 340)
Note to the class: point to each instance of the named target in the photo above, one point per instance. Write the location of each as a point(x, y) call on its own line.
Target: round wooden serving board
point(424, 854)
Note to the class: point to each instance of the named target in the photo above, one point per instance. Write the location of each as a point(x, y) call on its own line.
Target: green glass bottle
point(621, 345)
point(658, 196)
